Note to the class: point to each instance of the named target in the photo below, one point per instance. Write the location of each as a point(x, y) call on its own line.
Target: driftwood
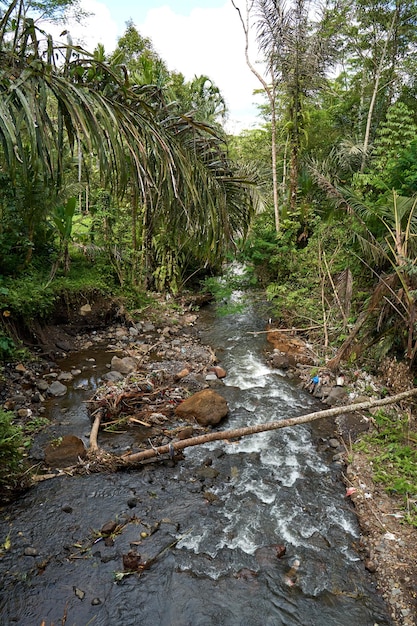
point(259, 428)
point(94, 430)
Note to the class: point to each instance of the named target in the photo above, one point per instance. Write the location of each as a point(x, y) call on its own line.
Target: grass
point(393, 447)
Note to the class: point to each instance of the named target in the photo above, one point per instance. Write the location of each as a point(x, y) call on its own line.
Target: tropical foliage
point(71, 121)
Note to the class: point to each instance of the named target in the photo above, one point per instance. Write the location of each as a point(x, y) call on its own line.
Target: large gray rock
point(57, 389)
point(337, 395)
point(113, 376)
point(207, 407)
point(124, 366)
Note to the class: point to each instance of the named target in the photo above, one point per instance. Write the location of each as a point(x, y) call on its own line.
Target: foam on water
point(250, 373)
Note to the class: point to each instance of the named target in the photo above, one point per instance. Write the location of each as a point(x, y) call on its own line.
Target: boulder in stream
point(207, 407)
point(64, 451)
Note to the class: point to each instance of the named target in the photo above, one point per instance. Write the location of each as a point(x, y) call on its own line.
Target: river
point(215, 519)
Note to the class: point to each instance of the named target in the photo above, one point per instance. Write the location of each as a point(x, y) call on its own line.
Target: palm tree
point(388, 241)
point(55, 99)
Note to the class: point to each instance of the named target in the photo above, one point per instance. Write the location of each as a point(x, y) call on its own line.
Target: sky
point(194, 37)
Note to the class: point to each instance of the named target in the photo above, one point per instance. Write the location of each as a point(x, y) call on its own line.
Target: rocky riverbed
point(162, 352)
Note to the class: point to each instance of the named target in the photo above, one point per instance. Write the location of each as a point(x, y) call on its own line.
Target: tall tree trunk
point(270, 91)
point(378, 75)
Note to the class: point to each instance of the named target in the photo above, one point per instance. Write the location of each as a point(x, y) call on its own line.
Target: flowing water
point(227, 506)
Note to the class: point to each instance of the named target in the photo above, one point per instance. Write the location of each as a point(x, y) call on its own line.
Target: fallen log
point(95, 429)
point(259, 428)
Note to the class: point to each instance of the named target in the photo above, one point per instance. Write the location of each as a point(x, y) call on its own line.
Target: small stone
point(42, 385)
point(79, 593)
point(124, 366)
point(67, 376)
point(371, 566)
point(85, 309)
point(20, 368)
point(185, 433)
point(24, 413)
point(132, 502)
point(66, 508)
point(113, 376)
point(63, 345)
point(182, 374)
point(57, 389)
point(280, 550)
point(131, 561)
point(334, 443)
point(219, 371)
point(95, 601)
point(29, 551)
point(108, 528)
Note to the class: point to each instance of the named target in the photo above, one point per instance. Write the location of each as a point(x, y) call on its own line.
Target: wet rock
point(132, 502)
point(280, 550)
point(337, 395)
point(245, 574)
point(371, 566)
point(211, 497)
point(63, 345)
point(182, 374)
point(79, 593)
point(126, 365)
point(219, 371)
point(207, 407)
point(113, 376)
point(108, 528)
point(65, 451)
point(131, 561)
point(280, 360)
point(57, 389)
point(207, 473)
point(334, 443)
point(42, 385)
point(67, 376)
point(16, 400)
point(185, 433)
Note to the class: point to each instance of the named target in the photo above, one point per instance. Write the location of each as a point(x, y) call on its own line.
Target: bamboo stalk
point(259, 428)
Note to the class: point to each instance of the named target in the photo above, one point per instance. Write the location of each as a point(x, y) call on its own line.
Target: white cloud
point(208, 41)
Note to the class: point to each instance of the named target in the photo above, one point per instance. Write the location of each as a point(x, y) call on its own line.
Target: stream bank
point(157, 341)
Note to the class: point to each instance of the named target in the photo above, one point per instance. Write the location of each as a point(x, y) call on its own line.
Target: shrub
point(11, 442)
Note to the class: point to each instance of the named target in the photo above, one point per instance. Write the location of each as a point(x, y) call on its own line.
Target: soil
point(388, 545)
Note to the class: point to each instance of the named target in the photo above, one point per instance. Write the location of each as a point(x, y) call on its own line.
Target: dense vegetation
point(117, 175)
